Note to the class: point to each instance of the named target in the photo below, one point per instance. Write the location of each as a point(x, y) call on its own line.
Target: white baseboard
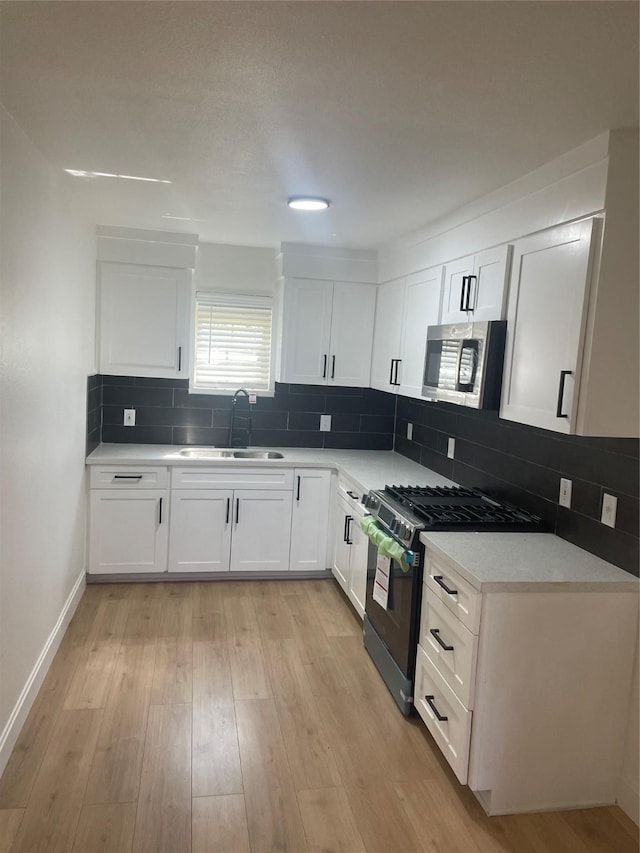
point(29, 692)
point(628, 798)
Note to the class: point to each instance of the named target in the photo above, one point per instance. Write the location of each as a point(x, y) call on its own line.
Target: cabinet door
point(200, 530)
point(261, 531)
point(386, 335)
point(342, 549)
point(452, 297)
point(488, 285)
point(351, 334)
point(144, 320)
point(358, 566)
point(128, 531)
point(306, 331)
point(545, 321)
point(310, 520)
point(421, 309)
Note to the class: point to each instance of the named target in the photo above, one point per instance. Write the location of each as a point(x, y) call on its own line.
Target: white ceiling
point(398, 112)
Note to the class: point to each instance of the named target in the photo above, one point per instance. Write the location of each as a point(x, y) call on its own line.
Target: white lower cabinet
point(526, 693)
point(128, 518)
point(261, 531)
point(350, 550)
point(200, 530)
point(310, 520)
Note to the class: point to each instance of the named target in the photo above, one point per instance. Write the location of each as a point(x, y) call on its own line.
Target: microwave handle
point(473, 346)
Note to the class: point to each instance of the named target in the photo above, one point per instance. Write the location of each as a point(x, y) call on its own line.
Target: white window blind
point(232, 342)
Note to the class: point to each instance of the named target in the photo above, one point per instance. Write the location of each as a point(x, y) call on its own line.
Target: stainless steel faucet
point(234, 403)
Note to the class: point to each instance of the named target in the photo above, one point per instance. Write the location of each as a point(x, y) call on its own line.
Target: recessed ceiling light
point(308, 203)
point(79, 173)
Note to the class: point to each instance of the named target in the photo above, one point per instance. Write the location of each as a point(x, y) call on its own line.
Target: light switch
point(564, 499)
point(129, 417)
point(451, 448)
point(325, 423)
point(409, 431)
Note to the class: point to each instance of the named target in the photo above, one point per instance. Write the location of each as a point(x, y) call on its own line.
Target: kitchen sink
point(206, 453)
point(228, 453)
point(257, 454)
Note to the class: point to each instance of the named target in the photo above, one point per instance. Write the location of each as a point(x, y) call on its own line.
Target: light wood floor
point(244, 716)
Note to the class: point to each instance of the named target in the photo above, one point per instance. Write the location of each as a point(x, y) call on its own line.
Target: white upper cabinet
point(306, 331)
point(546, 316)
point(144, 320)
point(475, 287)
point(423, 293)
point(386, 355)
point(327, 332)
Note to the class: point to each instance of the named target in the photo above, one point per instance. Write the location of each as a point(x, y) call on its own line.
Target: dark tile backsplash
point(512, 462)
point(94, 412)
point(167, 414)
point(524, 465)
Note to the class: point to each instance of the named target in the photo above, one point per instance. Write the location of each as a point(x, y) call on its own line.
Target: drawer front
point(116, 477)
point(232, 477)
point(452, 735)
point(461, 598)
point(456, 663)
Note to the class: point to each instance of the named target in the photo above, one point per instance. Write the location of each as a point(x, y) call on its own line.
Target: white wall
point(47, 304)
point(225, 268)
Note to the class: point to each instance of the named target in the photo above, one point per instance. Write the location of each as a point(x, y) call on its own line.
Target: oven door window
point(441, 364)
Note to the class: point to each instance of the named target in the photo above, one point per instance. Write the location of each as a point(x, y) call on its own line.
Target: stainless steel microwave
point(463, 363)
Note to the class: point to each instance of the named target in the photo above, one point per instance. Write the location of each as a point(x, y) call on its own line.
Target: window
point(232, 342)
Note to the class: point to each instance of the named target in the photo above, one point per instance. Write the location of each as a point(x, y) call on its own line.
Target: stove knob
point(403, 530)
point(394, 525)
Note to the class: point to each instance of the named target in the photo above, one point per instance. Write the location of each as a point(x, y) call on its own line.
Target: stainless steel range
point(403, 512)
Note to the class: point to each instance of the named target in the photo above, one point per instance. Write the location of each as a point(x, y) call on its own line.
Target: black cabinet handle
point(333, 366)
point(465, 278)
point(228, 508)
point(179, 359)
point(344, 529)
point(298, 491)
point(435, 632)
point(160, 511)
point(127, 476)
point(468, 306)
point(440, 717)
point(237, 510)
point(348, 540)
point(353, 495)
point(439, 580)
point(324, 366)
point(563, 376)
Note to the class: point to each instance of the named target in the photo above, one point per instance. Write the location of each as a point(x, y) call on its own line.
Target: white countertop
point(491, 562)
point(521, 562)
point(368, 469)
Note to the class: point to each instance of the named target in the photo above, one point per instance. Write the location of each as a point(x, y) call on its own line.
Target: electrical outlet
point(451, 448)
point(609, 509)
point(565, 493)
point(409, 431)
point(325, 423)
point(129, 417)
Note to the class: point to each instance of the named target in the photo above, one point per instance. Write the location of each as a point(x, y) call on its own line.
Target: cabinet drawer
point(462, 599)
point(232, 477)
point(115, 477)
point(452, 735)
point(456, 663)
